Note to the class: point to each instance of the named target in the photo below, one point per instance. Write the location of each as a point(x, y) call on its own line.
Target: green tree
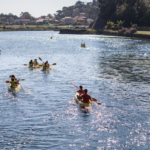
point(11, 19)
point(120, 23)
point(110, 24)
point(50, 15)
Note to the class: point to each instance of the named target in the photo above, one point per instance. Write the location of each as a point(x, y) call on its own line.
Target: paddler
point(15, 79)
point(44, 66)
point(86, 97)
point(13, 83)
point(81, 91)
point(35, 62)
point(31, 64)
point(47, 65)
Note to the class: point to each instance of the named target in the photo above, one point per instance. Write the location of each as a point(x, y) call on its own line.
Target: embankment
point(103, 32)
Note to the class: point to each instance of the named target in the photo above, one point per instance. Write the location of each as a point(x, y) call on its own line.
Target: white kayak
point(79, 102)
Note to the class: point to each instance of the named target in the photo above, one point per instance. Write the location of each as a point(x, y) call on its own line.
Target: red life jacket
point(86, 98)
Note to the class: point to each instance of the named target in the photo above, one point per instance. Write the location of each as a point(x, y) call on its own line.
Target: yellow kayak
point(83, 46)
point(79, 102)
point(34, 67)
point(14, 89)
point(47, 69)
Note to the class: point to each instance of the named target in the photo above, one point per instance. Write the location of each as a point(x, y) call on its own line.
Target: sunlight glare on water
point(43, 114)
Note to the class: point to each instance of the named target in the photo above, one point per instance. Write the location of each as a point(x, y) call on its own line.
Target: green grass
point(143, 32)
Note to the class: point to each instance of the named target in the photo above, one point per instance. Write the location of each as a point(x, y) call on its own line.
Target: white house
point(16, 21)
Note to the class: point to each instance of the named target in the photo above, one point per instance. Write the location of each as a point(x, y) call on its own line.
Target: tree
point(26, 15)
point(3, 19)
point(11, 19)
point(50, 15)
point(10, 14)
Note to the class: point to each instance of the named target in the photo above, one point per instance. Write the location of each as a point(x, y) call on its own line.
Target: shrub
point(120, 23)
point(110, 24)
point(133, 25)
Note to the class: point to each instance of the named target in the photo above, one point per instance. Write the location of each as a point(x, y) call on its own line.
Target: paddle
point(43, 62)
point(41, 59)
point(93, 99)
point(10, 81)
point(25, 64)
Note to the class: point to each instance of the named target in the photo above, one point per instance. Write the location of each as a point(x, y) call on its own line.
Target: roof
point(24, 20)
point(40, 20)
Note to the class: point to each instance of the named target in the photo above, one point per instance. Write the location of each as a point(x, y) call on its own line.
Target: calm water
point(43, 114)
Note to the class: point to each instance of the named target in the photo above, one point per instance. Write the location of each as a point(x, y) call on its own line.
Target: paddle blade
point(10, 76)
point(22, 79)
point(74, 85)
point(25, 64)
point(40, 58)
point(40, 65)
point(54, 64)
point(7, 81)
point(99, 103)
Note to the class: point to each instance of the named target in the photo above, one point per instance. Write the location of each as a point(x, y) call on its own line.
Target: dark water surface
point(43, 114)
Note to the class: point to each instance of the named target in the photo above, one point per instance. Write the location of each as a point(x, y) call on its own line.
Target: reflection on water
point(43, 114)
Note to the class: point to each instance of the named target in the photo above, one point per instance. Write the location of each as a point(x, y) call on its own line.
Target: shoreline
point(139, 34)
point(101, 32)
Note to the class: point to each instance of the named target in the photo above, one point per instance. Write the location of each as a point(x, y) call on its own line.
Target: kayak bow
point(79, 102)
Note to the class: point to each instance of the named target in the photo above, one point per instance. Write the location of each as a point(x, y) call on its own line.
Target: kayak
point(34, 67)
point(79, 102)
point(14, 89)
point(83, 46)
point(47, 69)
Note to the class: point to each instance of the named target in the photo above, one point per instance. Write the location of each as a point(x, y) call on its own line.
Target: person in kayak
point(15, 80)
point(47, 65)
point(44, 66)
point(13, 83)
point(31, 64)
point(81, 91)
point(35, 62)
point(86, 97)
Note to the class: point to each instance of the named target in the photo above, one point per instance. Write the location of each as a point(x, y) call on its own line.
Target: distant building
point(16, 21)
point(67, 20)
point(89, 21)
point(24, 21)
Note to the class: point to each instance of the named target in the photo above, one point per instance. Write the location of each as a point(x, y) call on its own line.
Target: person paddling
point(44, 66)
point(35, 62)
point(47, 65)
point(13, 83)
point(31, 64)
point(85, 97)
point(15, 80)
point(81, 91)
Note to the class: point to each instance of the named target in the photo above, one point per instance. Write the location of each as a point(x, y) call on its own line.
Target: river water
point(43, 114)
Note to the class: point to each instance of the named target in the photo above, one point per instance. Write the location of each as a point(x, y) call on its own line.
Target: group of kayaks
point(18, 87)
point(39, 66)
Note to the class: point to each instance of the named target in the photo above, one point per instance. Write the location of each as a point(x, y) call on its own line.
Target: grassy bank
point(30, 27)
